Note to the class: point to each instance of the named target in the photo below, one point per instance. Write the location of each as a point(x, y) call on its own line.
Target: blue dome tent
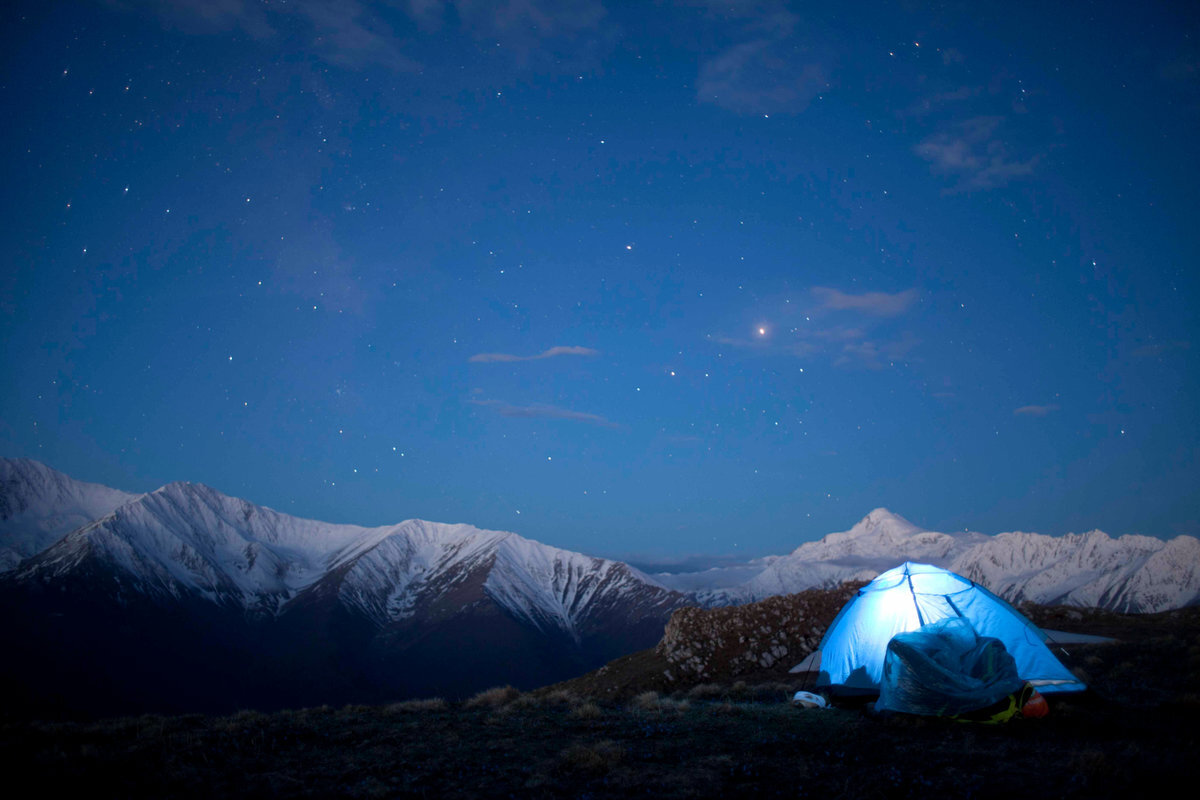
point(910, 596)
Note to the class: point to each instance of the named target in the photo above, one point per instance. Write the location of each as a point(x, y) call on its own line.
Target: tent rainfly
point(911, 595)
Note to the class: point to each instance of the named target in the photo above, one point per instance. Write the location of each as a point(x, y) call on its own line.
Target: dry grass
point(587, 710)
point(560, 697)
point(596, 758)
point(493, 698)
point(646, 701)
point(653, 702)
point(706, 691)
point(422, 706)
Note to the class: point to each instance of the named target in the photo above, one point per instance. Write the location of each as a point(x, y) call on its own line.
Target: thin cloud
point(539, 32)
point(535, 18)
point(1160, 349)
point(939, 100)
point(843, 347)
point(540, 411)
point(863, 354)
point(952, 56)
point(871, 354)
point(879, 304)
point(1035, 411)
point(760, 76)
point(972, 153)
point(351, 36)
point(1185, 68)
point(205, 16)
point(767, 346)
point(489, 358)
point(315, 267)
point(768, 71)
point(344, 32)
point(862, 336)
point(840, 334)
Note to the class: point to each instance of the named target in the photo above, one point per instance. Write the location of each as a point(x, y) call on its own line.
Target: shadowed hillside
point(622, 731)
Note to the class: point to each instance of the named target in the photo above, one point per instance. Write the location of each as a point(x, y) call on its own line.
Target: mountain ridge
point(39, 505)
point(234, 550)
point(267, 609)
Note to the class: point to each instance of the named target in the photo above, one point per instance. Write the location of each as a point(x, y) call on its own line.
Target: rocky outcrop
point(773, 634)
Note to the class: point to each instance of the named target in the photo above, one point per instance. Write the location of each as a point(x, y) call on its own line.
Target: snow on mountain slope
point(882, 536)
point(415, 561)
point(555, 591)
point(190, 539)
point(878, 542)
point(559, 589)
point(1129, 573)
point(39, 505)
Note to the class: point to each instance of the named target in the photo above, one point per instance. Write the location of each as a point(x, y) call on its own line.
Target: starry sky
point(664, 278)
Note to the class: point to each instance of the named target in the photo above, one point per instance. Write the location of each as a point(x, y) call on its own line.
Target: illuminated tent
point(911, 595)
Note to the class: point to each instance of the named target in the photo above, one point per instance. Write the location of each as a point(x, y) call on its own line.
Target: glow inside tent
point(911, 595)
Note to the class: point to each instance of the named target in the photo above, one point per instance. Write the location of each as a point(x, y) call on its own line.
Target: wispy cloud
point(760, 76)
point(973, 154)
point(344, 32)
point(871, 354)
point(769, 346)
point(952, 55)
point(1035, 411)
point(936, 101)
point(1159, 349)
point(539, 411)
point(347, 33)
point(205, 16)
point(487, 358)
point(549, 32)
point(879, 304)
point(845, 330)
point(769, 71)
point(541, 18)
point(1183, 68)
point(315, 267)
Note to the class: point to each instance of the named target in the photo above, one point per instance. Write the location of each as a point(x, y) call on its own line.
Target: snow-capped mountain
point(38, 506)
point(189, 539)
point(1129, 574)
point(877, 543)
point(417, 606)
point(254, 607)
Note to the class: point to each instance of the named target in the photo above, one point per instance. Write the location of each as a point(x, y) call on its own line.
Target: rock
point(722, 643)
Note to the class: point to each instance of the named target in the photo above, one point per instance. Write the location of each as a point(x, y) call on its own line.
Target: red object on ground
point(1035, 707)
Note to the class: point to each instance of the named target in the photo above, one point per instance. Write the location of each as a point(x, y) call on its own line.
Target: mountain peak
point(881, 520)
point(39, 505)
point(178, 488)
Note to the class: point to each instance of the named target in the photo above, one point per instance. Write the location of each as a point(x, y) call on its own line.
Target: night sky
point(627, 278)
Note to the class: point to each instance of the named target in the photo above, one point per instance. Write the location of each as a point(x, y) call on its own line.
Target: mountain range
point(1131, 574)
point(187, 599)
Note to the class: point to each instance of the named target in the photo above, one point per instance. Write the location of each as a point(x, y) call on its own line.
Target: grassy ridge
point(1136, 733)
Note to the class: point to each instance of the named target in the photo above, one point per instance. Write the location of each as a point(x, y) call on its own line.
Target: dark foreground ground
point(1136, 733)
